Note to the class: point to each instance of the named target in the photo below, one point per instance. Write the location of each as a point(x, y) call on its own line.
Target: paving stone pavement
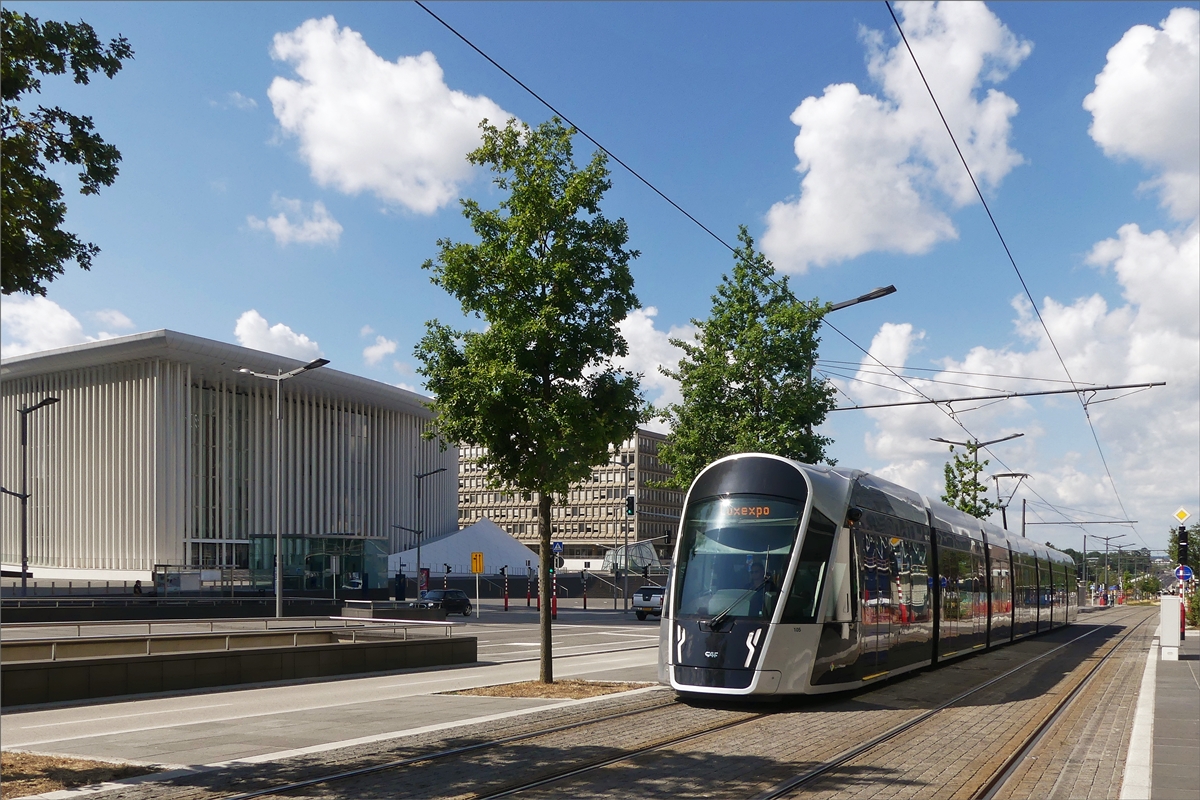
point(773, 744)
point(1083, 756)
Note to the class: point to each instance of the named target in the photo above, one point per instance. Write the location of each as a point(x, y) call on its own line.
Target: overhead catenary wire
point(675, 205)
point(915, 390)
point(1024, 286)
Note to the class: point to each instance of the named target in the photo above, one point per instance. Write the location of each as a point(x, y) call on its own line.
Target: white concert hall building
point(160, 451)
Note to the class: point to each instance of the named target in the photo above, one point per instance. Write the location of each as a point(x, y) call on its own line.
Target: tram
point(794, 579)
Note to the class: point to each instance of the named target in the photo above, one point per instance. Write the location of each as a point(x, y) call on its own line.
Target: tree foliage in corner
point(550, 278)
point(964, 490)
point(33, 246)
point(746, 377)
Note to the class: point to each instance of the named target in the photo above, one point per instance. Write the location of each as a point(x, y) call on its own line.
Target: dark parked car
point(455, 601)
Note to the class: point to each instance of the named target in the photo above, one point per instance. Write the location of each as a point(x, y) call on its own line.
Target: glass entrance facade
point(308, 563)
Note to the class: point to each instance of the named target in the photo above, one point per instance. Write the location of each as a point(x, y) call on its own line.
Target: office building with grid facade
point(590, 519)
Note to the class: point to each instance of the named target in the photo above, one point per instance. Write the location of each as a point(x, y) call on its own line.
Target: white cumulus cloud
point(34, 324)
point(253, 331)
point(373, 354)
point(295, 224)
point(650, 348)
point(367, 124)
point(1146, 106)
point(879, 172)
point(111, 318)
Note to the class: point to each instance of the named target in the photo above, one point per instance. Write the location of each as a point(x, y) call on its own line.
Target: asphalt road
point(269, 722)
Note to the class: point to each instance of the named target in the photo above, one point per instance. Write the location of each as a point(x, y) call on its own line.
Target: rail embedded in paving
point(727, 722)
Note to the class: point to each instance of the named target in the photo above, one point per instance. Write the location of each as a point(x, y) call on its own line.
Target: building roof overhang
point(214, 361)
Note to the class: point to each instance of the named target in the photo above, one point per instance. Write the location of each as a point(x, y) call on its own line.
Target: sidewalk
point(1175, 768)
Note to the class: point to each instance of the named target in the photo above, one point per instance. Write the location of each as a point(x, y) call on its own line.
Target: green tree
point(964, 490)
point(550, 279)
point(746, 377)
point(32, 242)
point(1193, 534)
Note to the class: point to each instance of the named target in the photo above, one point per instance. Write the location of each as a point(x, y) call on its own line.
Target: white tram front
point(794, 579)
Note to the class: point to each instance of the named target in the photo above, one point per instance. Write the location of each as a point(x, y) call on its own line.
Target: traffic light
point(629, 501)
point(1182, 549)
point(447, 566)
point(504, 571)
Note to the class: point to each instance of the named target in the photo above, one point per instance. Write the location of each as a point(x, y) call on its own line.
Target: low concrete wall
point(173, 609)
point(25, 683)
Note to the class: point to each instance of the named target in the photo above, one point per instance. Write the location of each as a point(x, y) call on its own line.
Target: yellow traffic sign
point(1182, 515)
point(477, 563)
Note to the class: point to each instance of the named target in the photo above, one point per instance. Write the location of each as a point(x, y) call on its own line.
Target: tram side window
point(811, 568)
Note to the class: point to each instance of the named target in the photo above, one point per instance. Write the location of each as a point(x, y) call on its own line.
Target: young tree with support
point(747, 376)
point(550, 280)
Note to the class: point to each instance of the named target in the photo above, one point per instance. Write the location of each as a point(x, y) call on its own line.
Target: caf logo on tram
point(794, 579)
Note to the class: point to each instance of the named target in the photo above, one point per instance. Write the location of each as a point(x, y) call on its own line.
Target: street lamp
point(279, 377)
point(977, 445)
point(23, 495)
point(874, 294)
point(1107, 577)
point(420, 531)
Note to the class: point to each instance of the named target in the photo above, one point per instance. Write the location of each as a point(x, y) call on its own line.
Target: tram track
point(546, 775)
point(999, 776)
point(513, 787)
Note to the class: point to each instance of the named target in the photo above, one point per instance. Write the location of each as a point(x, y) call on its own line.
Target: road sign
point(477, 563)
point(558, 562)
point(556, 547)
point(1183, 573)
point(1182, 515)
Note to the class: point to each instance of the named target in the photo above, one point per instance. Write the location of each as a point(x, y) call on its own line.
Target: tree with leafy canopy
point(550, 280)
point(32, 243)
point(964, 490)
point(746, 376)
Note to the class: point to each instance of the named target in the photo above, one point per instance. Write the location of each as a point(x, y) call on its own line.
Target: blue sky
point(300, 160)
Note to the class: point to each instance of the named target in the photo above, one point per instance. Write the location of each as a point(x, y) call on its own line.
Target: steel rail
point(606, 762)
point(436, 755)
point(1000, 777)
point(787, 787)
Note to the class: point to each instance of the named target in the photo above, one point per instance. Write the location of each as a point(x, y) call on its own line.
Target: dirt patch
point(23, 774)
point(559, 690)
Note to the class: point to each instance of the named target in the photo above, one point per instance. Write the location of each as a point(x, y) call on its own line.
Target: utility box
point(1169, 630)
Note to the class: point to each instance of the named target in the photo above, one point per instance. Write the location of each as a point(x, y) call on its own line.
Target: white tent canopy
point(498, 547)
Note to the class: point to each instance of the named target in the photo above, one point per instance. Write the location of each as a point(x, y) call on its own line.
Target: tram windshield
point(734, 555)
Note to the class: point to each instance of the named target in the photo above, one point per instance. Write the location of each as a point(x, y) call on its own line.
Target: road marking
point(403, 689)
point(121, 716)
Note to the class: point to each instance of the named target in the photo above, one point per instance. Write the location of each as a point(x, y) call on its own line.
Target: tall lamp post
point(23, 495)
point(978, 445)
point(279, 377)
point(420, 476)
point(874, 294)
point(1107, 577)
